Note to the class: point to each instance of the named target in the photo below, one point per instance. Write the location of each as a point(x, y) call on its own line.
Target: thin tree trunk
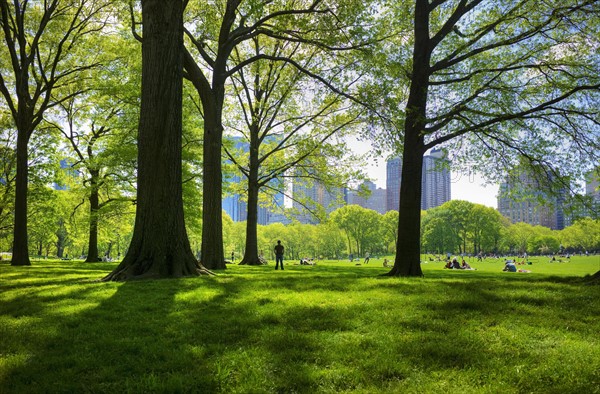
point(108, 250)
point(160, 246)
point(251, 252)
point(20, 252)
point(92, 255)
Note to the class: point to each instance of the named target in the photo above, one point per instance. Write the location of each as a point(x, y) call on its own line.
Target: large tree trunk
point(92, 255)
point(408, 247)
point(20, 252)
point(212, 255)
point(408, 250)
point(160, 246)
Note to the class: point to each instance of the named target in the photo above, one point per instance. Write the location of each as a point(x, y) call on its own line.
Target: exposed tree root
point(405, 271)
point(148, 269)
point(253, 261)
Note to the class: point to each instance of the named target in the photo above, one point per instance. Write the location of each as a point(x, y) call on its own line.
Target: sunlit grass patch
point(328, 328)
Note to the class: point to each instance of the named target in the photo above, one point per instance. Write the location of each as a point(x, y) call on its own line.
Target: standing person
point(279, 249)
point(367, 256)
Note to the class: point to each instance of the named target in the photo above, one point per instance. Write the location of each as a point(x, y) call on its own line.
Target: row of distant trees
point(456, 227)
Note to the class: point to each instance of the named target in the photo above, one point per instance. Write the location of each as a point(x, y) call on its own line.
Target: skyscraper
point(375, 201)
point(237, 208)
point(316, 197)
point(392, 183)
point(592, 190)
point(521, 199)
point(435, 181)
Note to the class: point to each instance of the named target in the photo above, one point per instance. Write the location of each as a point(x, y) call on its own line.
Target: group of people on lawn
point(455, 265)
point(511, 266)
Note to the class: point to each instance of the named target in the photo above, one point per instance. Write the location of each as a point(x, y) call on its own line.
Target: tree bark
point(92, 256)
point(408, 246)
point(408, 250)
point(212, 95)
point(160, 246)
point(20, 252)
point(212, 255)
point(251, 252)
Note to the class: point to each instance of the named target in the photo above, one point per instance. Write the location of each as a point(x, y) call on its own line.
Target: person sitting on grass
point(448, 265)
point(466, 266)
point(510, 266)
point(386, 264)
point(455, 264)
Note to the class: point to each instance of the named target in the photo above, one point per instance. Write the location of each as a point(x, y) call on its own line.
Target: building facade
point(317, 198)
point(393, 177)
point(435, 181)
point(235, 204)
point(435, 184)
point(521, 199)
point(592, 191)
point(377, 199)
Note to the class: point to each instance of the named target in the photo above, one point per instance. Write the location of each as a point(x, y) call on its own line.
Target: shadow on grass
point(333, 330)
point(152, 336)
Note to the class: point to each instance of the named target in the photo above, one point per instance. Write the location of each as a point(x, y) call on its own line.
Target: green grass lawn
point(334, 327)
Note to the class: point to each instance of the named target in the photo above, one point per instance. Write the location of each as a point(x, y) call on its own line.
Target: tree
point(485, 226)
point(459, 214)
point(97, 125)
point(159, 245)
point(361, 225)
point(283, 128)
point(7, 176)
point(437, 232)
point(330, 240)
point(45, 206)
point(272, 233)
point(499, 81)
point(582, 235)
point(40, 39)
point(517, 237)
point(389, 224)
point(543, 244)
point(213, 37)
